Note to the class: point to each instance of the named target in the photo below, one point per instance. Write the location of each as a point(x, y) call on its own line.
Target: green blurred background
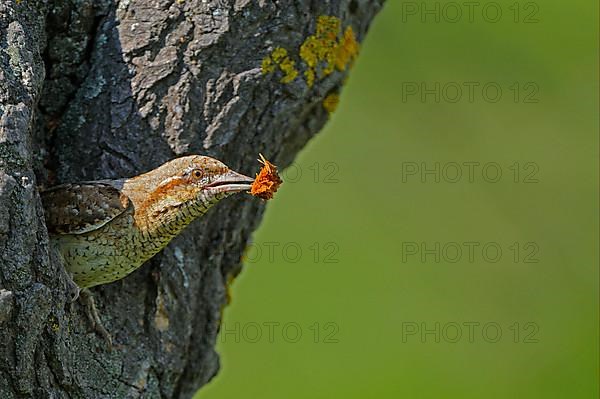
point(349, 316)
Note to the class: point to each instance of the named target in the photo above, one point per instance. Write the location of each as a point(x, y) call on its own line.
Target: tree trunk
point(93, 89)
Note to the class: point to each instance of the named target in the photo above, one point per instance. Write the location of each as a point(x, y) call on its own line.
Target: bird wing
point(82, 207)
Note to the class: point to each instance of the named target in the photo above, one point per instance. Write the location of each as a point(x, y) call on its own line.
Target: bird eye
point(197, 173)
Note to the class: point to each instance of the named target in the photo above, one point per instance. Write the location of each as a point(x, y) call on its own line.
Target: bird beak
point(230, 182)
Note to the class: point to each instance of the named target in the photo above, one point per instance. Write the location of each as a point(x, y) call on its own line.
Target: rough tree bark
point(95, 89)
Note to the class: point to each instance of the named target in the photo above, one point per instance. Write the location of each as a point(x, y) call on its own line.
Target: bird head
point(208, 177)
point(192, 182)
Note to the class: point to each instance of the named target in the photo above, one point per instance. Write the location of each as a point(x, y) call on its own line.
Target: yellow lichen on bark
point(267, 65)
point(331, 102)
point(323, 52)
point(326, 47)
point(279, 59)
point(347, 50)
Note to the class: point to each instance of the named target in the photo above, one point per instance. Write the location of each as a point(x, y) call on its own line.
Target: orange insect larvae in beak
point(267, 180)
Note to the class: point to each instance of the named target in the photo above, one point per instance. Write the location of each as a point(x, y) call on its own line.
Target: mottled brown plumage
point(80, 208)
point(106, 229)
